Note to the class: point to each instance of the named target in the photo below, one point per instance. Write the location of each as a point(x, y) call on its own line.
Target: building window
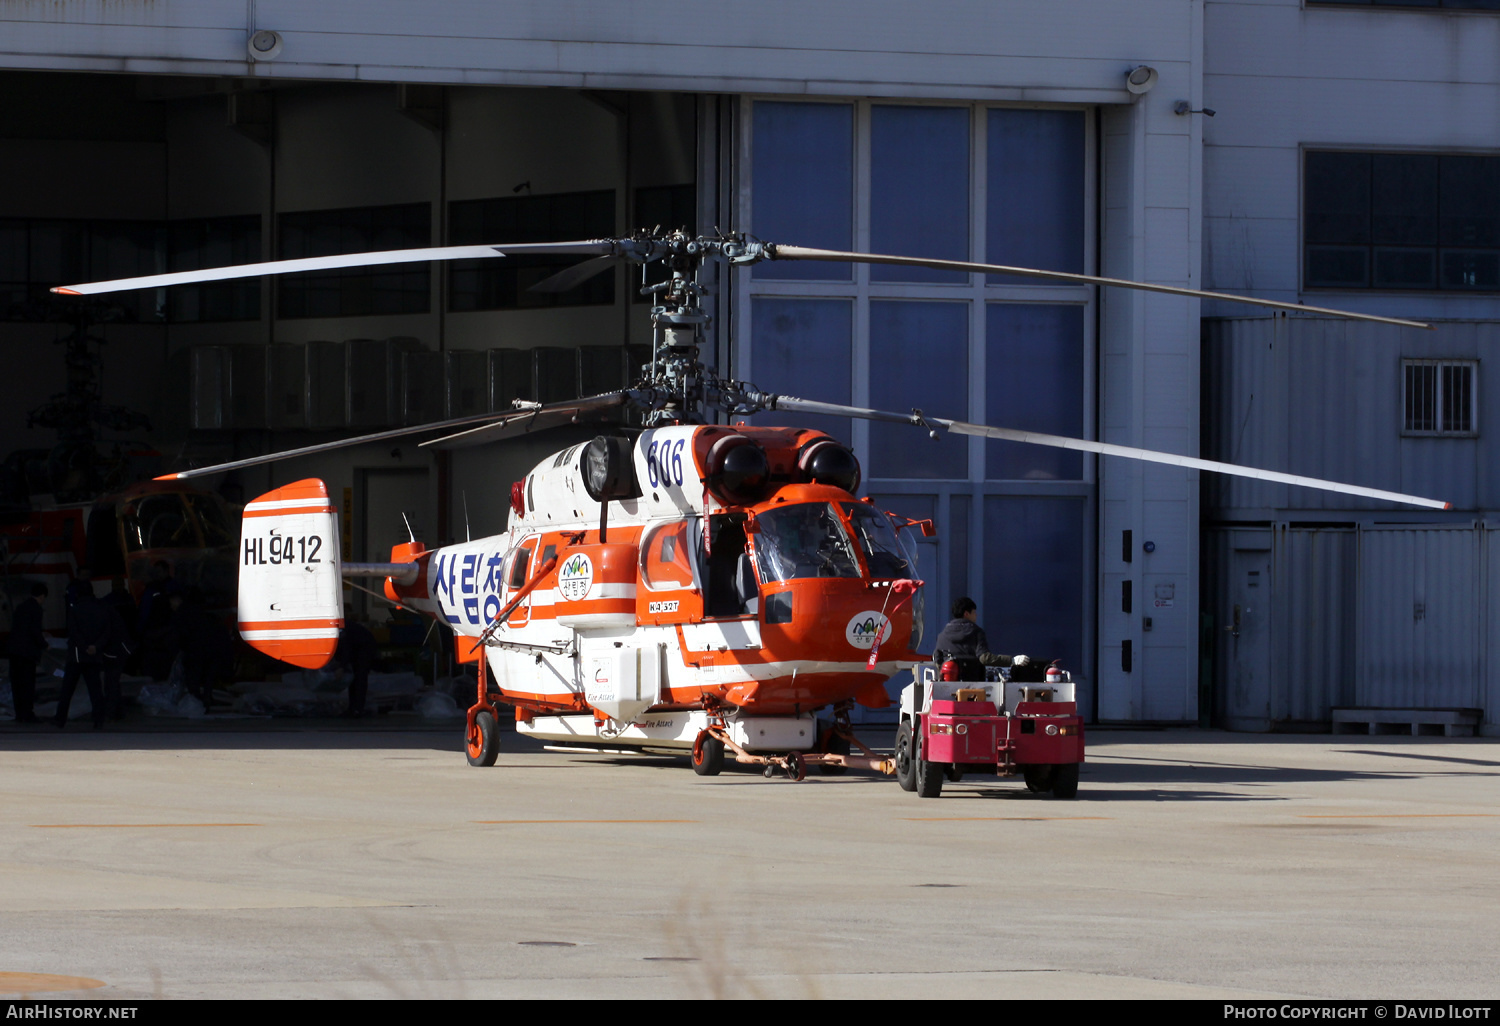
point(354, 291)
point(214, 242)
point(968, 182)
point(1439, 397)
point(504, 284)
point(1401, 221)
point(37, 254)
point(1424, 5)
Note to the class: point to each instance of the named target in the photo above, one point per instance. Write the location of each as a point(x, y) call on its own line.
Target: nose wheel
point(483, 741)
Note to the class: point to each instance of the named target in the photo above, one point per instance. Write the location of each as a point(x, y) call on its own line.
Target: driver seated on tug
point(962, 636)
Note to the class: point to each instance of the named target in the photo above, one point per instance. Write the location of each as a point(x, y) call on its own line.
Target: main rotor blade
point(779, 252)
point(328, 263)
point(530, 421)
point(572, 277)
point(345, 443)
point(960, 427)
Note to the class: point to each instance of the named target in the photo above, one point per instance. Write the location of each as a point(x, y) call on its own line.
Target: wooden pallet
point(1417, 722)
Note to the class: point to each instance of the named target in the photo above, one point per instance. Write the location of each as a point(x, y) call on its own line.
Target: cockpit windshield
point(884, 551)
point(803, 540)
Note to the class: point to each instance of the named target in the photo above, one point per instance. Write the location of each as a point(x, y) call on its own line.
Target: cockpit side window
point(877, 539)
point(159, 522)
point(803, 540)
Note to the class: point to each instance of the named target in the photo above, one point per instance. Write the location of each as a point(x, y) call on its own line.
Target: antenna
point(409, 532)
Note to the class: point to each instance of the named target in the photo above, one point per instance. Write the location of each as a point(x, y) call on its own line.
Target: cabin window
point(518, 567)
point(668, 562)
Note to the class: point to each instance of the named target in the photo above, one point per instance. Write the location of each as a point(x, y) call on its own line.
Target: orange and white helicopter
point(689, 586)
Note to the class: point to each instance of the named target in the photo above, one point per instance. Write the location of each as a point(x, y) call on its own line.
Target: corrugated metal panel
point(1420, 618)
point(1316, 602)
point(1489, 650)
point(1323, 397)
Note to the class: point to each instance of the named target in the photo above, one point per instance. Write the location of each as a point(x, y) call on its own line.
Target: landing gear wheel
point(906, 760)
point(1065, 781)
point(929, 778)
point(1038, 778)
point(954, 774)
point(796, 767)
point(708, 756)
point(834, 744)
point(484, 740)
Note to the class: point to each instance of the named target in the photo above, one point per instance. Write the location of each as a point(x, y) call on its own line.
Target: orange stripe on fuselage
point(295, 511)
point(271, 625)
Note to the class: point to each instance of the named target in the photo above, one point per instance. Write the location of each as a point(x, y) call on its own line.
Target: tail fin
point(291, 598)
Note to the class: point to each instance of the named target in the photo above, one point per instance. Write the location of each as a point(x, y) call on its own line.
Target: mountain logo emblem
point(862, 628)
point(575, 578)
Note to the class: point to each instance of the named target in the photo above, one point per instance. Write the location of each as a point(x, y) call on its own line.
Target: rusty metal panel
point(1421, 625)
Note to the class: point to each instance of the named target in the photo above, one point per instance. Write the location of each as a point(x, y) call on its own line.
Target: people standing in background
point(27, 643)
point(154, 633)
point(204, 642)
point(356, 651)
point(88, 636)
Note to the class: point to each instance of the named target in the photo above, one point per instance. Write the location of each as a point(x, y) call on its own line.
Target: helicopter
point(686, 586)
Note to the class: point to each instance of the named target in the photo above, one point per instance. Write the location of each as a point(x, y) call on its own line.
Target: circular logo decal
point(861, 630)
point(576, 577)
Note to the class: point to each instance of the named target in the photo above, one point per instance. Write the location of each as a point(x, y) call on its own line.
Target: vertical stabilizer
point(291, 599)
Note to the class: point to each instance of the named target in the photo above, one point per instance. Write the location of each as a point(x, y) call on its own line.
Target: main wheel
point(1038, 778)
point(484, 740)
point(929, 777)
point(708, 757)
point(837, 744)
point(1065, 781)
point(796, 766)
point(906, 758)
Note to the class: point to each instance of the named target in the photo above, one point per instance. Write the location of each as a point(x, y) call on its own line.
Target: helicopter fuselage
point(770, 609)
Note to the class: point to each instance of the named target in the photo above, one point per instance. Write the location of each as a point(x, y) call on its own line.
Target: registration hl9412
point(280, 550)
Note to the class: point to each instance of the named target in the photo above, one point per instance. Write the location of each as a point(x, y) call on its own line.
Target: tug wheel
point(708, 755)
point(796, 767)
point(929, 778)
point(906, 760)
point(1038, 778)
point(1065, 781)
point(834, 744)
point(484, 740)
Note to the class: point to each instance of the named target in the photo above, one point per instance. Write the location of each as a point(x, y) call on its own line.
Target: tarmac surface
point(297, 859)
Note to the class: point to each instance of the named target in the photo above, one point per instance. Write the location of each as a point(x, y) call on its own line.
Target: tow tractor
point(955, 721)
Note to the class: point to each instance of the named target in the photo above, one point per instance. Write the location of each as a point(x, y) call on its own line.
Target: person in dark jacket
point(88, 636)
point(27, 643)
point(356, 651)
point(117, 646)
point(203, 641)
point(153, 629)
point(962, 636)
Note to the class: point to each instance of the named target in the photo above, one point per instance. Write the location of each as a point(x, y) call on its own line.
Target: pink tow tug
point(954, 721)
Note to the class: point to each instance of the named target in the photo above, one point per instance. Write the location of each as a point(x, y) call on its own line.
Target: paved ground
point(313, 861)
